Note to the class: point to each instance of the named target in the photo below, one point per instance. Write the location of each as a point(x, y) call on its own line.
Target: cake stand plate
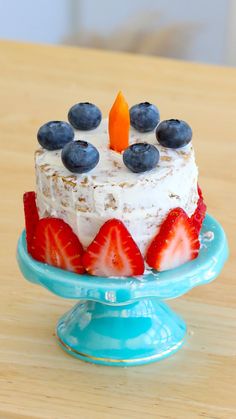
point(124, 321)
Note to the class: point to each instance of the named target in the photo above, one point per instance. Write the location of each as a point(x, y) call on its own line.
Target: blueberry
point(55, 134)
point(144, 117)
point(79, 156)
point(141, 157)
point(173, 133)
point(84, 116)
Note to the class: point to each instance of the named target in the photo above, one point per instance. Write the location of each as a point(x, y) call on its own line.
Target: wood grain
point(37, 379)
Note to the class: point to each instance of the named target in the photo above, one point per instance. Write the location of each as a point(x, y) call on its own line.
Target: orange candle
point(119, 123)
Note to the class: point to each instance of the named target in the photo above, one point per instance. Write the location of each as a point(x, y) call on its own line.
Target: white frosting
point(111, 190)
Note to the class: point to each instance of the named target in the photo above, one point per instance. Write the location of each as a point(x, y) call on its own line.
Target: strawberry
point(31, 218)
point(113, 252)
point(57, 245)
point(199, 213)
point(176, 242)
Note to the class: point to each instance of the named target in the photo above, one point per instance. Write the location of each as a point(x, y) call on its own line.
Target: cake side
point(110, 190)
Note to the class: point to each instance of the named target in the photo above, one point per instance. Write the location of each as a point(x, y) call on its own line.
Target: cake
point(141, 200)
point(110, 190)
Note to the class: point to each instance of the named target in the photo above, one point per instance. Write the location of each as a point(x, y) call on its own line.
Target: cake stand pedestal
point(124, 321)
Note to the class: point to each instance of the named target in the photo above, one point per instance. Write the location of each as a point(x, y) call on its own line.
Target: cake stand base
point(132, 334)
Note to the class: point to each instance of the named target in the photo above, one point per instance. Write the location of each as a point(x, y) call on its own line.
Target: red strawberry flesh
point(31, 219)
point(113, 252)
point(175, 244)
point(199, 214)
point(57, 245)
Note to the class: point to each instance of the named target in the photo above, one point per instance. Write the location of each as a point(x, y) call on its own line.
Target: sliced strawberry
point(31, 218)
point(199, 213)
point(57, 245)
point(199, 191)
point(176, 242)
point(113, 252)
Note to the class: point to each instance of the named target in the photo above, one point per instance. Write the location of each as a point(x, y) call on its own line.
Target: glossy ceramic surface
point(122, 321)
point(133, 334)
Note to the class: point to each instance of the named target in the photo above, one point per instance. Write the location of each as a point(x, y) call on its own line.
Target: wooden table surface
point(37, 379)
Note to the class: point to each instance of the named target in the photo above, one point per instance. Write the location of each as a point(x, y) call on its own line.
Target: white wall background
point(63, 21)
point(45, 21)
point(208, 16)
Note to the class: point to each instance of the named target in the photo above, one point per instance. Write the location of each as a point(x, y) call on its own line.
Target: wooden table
point(37, 379)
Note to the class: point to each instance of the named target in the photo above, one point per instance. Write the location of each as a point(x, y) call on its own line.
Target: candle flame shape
point(119, 123)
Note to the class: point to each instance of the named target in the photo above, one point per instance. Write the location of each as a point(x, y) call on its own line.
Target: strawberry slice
point(57, 245)
point(176, 242)
point(31, 218)
point(113, 252)
point(199, 213)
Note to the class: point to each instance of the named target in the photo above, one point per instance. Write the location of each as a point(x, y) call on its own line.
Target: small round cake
point(110, 190)
point(114, 196)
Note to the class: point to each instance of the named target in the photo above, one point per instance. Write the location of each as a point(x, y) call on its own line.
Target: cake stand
point(124, 321)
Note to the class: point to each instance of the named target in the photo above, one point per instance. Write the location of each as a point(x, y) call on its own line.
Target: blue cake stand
point(124, 321)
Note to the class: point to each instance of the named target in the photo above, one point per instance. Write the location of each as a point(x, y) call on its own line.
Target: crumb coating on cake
point(110, 190)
